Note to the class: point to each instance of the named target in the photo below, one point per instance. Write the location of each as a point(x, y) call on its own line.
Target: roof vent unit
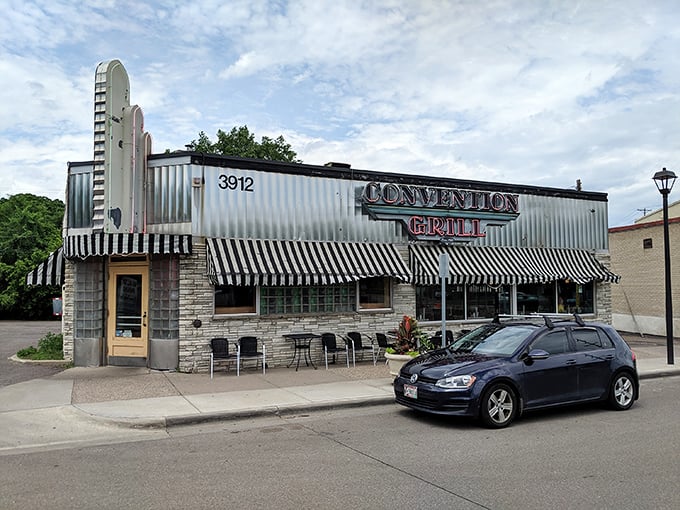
point(334, 164)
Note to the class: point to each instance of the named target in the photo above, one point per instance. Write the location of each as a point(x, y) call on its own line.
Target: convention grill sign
point(435, 213)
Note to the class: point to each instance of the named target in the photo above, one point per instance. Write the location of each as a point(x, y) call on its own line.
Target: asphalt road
point(374, 457)
point(15, 335)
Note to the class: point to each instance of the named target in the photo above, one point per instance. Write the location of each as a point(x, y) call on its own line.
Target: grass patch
point(50, 347)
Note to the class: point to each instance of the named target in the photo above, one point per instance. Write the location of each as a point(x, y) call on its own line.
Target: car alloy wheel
point(622, 393)
point(499, 406)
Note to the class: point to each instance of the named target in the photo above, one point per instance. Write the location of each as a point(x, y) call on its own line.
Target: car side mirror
point(538, 354)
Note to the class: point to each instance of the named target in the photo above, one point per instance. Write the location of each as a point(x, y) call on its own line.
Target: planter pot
point(396, 361)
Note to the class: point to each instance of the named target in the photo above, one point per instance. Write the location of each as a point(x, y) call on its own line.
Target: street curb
point(194, 419)
point(130, 423)
point(275, 410)
point(661, 373)
point(39, 361)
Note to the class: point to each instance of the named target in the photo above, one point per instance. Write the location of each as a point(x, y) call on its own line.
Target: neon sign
point(444, 213)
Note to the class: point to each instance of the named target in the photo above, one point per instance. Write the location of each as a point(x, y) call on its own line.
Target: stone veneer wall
point(196, 302)
point(603, 292)
point(603, 302)
point(67, 312)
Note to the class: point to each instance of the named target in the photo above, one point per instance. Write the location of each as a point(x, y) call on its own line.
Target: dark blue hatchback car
point(504, 368)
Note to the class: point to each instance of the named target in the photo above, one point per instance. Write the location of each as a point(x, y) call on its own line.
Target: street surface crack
point(395, 468)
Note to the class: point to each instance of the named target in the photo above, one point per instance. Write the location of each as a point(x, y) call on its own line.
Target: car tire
point(622, 391)
point(498, 406)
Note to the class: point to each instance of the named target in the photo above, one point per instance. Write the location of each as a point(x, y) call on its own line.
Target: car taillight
point(634, 356)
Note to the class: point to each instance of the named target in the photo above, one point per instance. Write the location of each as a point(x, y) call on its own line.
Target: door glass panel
point(129, 306)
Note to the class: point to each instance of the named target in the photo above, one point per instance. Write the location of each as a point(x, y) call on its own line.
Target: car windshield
point(493, 339)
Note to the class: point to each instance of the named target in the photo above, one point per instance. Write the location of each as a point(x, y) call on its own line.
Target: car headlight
point(457, 382)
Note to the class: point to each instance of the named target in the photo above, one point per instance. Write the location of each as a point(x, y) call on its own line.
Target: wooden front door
point(127, 324)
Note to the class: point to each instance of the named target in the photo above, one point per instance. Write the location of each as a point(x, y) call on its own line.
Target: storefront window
point(374, 293)
point(536, 298)
point(484, 301)
point(575, 297)
point(462, 301)
point(295, 300)
point(429, 302)
point(233, 299)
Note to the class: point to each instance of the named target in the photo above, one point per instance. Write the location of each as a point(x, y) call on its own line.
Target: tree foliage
point(241, 142)
point(30, 229)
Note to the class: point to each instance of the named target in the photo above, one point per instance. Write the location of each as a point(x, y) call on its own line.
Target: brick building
point(637, 255)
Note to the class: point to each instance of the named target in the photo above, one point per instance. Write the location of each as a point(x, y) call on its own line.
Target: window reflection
point(464, 302)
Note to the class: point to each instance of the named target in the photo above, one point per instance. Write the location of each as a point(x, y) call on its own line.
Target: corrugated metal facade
point(168, 194)
point(231, 202)
point(79, 197)
point(553, 222)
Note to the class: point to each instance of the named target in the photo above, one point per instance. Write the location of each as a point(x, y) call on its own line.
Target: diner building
point(163, 252)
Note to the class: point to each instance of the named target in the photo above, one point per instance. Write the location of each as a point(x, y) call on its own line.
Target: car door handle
point(571, 362)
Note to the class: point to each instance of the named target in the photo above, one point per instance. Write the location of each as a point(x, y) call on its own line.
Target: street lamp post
point(664, 181)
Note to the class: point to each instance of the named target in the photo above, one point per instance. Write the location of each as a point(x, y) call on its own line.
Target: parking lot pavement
point(16, 335)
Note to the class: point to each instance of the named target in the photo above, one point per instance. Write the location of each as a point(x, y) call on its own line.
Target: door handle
point(144, 319)
point(571, 362)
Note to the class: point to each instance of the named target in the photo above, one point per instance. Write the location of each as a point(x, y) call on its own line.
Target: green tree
point(30, 229)
point(241, 142)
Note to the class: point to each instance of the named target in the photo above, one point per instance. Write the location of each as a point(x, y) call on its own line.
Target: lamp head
point(664, 180)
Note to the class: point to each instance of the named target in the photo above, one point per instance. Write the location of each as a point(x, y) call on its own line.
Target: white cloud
point(521, 92)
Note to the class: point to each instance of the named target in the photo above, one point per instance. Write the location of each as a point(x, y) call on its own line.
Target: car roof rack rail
point(549, 320)
point(506, 316)
point(526, 316)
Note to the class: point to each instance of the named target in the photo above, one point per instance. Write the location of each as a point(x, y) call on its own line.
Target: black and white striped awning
point(49, 272)
point(101, 244)
point(288, 263)
point(494, 265)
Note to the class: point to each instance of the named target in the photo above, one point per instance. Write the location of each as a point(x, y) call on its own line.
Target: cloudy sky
point(526, 92)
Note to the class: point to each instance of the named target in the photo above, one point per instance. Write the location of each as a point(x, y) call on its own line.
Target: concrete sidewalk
point(143, 398)
point(170, 398)
point(140, 397)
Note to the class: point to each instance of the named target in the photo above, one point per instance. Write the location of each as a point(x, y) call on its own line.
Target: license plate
point(410, 391)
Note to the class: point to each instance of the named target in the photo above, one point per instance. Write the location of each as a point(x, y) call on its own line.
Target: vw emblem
point(414, 378)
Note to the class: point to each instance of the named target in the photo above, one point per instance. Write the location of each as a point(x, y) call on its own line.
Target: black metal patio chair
point(354, 340)
point(436, 339)
point(383, 343)
point(220, 352)
point(247, 350)
point(330, 346)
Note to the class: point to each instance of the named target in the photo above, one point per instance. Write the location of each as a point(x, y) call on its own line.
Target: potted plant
point(410, 342)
